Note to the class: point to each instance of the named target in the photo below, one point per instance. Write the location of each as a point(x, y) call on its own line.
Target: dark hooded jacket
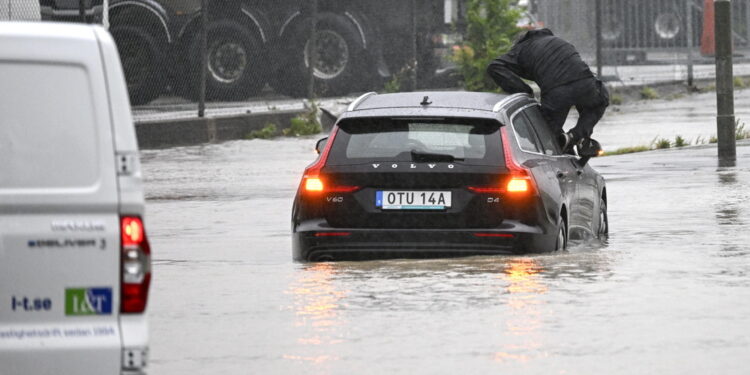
point(541, 57)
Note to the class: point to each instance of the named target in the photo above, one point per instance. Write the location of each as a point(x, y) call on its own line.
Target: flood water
point(669, 293)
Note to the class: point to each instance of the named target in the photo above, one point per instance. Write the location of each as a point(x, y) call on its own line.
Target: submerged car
point(434, 174)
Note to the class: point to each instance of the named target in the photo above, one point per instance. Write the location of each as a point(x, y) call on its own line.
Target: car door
point(541, 166)
point(563, 167)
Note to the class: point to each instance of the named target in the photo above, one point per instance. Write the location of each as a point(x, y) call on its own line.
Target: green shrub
point(680, 142)
point(649, 93)
point(713, 139)
point(304, 124)
point(396, 84)
point(268, 131)
point(615, 99)
point(491, 27)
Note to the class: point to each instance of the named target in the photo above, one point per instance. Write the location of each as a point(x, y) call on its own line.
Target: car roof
point(432, 104)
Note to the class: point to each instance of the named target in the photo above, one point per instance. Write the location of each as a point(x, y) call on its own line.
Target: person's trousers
point(589, 96)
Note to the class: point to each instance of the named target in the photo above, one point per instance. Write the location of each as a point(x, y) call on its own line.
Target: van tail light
point(135, 276)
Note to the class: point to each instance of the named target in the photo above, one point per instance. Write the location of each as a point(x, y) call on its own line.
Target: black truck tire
point(341, 61)
point(235, 61)
point(142, 57)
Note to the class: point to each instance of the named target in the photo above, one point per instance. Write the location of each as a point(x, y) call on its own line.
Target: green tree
point(490, 29)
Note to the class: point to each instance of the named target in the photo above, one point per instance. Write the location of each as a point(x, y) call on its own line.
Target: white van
point(74, 257)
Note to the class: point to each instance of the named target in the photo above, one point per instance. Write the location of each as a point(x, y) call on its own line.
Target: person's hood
point(531, 34)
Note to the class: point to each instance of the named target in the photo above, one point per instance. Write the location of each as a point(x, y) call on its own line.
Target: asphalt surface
point(668, 293)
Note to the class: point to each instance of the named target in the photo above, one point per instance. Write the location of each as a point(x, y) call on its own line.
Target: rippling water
point(669, 292)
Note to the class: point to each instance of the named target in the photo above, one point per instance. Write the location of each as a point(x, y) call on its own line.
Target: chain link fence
point(181, 53)
point(647, 41)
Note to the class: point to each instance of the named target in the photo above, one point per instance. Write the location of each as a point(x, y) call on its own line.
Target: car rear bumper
point(314, 240)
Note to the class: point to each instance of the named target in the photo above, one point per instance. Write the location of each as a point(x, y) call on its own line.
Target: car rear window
point(467, 141)
point(48, 133)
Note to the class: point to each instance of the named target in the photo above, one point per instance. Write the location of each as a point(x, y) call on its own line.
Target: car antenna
point(426, 101)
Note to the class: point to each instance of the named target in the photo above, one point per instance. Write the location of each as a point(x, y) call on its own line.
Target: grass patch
point(662, 144)
point(269, 131)
point(628, 150)
point(680, 142)
point(740, 132)
point(649, 93)
point(739, 83)
point(713, 140)
point(616, 99)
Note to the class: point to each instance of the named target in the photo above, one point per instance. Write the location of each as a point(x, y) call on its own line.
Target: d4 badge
point(88, 301)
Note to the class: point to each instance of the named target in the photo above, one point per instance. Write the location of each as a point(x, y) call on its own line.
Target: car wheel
point(603, 227)
point(338, 52)
point(235, 61)
point(561, 243)
point(141, 57)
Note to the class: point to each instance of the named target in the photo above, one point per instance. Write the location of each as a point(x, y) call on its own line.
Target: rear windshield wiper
point(428, 157)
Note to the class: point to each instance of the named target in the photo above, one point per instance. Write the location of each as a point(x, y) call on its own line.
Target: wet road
point(669, 293)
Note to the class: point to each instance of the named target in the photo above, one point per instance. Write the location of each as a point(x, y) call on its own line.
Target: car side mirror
point(589, 148)
point(321, 145)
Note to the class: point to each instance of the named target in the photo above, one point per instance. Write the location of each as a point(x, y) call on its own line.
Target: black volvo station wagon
point(434, 174)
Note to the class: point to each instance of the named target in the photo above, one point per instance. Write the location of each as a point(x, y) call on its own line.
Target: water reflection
point(728, 207)
point(525, 317)
point(317, 311)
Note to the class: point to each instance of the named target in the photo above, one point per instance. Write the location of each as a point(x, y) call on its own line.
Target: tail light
point(312, 181)
point(519, 182)
point(135, 276)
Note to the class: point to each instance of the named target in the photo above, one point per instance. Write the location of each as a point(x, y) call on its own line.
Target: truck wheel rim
point(331, 52)
point(227, 61)
point(667, 25)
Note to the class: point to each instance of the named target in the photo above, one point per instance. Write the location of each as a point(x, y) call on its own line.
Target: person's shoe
point(567, 141)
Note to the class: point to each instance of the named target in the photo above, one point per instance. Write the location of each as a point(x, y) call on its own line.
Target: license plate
point(413, 200)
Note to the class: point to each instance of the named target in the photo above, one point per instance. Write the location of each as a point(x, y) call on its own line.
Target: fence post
point(598, 21)
point(689, 31)
point(724, 83)
point(414, 56)
point(312, 56)
point(81, 10)
point(204, 59)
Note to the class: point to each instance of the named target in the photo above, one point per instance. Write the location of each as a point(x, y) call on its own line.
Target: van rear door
point(59, 222)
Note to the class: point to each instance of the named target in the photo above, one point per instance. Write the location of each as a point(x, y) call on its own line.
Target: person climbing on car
point(564, 79)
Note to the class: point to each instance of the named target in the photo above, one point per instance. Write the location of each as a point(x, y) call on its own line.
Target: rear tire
point(561, 243)
point(341, 58)
point(235, 61)
point(142, 58)
point(602, 230)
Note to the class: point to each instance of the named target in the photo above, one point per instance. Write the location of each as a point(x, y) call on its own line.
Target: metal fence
point(646, 41)
point(174, 52)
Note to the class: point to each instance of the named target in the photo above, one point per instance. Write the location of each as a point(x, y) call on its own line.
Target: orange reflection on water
point(317, 307)
point(524, 318)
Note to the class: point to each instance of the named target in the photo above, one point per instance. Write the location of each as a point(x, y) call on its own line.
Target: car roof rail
point(510, 99)
point(356, 103)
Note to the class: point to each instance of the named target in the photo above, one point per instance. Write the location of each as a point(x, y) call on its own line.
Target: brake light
point(332, 234)
point(135, 276)
point(486, 190)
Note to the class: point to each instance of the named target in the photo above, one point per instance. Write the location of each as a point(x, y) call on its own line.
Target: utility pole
point(724, 83)
point(204, 59)
point(598, 21)
point(689, 32)
point(81, 10)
